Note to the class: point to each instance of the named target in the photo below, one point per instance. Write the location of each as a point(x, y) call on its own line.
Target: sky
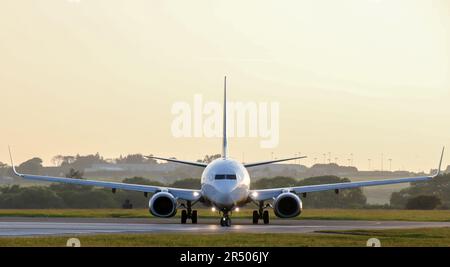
point(361, 77)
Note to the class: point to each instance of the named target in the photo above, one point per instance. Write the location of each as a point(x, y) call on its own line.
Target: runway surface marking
point(31, 227)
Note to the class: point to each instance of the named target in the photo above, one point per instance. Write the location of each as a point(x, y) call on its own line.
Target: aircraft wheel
point(255, 217)
point(194, 216)
point(183, 216)
point(266, 217)
point(227, 222)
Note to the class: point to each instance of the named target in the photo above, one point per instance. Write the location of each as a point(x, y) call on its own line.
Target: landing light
point(213, 209)
point(195, 194)
point(236, 209)
point(254, 194)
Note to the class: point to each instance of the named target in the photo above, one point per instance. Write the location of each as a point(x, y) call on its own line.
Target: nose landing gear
point(225, 221)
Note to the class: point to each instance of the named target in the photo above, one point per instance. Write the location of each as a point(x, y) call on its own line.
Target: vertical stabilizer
point(225, 143)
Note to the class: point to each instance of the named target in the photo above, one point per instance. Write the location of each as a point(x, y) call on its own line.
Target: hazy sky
point(355, 76)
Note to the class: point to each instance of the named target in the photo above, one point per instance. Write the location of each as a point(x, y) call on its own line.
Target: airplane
point(225, 187)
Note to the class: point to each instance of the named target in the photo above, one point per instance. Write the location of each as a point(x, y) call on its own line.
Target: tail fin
point(225, 142)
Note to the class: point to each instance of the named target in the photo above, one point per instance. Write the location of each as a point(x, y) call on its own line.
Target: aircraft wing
point(185, 194)
point(254, 164)
point(192, 163)
point(266, 194)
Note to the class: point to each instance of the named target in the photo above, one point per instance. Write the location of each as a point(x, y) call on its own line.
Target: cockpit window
point(225, 176)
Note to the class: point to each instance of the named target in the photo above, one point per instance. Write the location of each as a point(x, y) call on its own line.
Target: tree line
point(433, 194)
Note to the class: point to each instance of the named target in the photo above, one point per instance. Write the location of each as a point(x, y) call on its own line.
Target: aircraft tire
point(183, 216)
point(194, 216)
point(227, 222)
point(266, 217)
point(255, 217)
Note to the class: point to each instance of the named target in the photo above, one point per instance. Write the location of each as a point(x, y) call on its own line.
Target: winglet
point(12, 163)
point(440, 163)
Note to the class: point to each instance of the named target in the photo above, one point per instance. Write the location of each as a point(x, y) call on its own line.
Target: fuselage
point(225, 184)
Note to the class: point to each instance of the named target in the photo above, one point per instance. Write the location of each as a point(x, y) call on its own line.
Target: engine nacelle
point(163, 204)
point(287, 205)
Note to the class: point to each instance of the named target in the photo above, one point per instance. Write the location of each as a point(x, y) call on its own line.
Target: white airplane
point(225, 186)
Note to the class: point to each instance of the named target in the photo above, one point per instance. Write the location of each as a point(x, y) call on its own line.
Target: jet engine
point(287, 205)
point(163, 204)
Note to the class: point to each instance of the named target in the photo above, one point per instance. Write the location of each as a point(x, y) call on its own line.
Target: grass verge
point(358, 238)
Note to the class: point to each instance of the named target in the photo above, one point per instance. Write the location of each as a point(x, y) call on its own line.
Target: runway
point(67, 226)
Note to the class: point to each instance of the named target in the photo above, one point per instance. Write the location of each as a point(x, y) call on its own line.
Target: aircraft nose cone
point(225, 199)
point(230, 196)
point(226, 188)
point(225, 194)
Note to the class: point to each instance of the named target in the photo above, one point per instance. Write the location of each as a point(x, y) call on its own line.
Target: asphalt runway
point(66, 226)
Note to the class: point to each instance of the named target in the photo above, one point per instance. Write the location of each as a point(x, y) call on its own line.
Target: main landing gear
point(188, 213)
point(261, 214)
